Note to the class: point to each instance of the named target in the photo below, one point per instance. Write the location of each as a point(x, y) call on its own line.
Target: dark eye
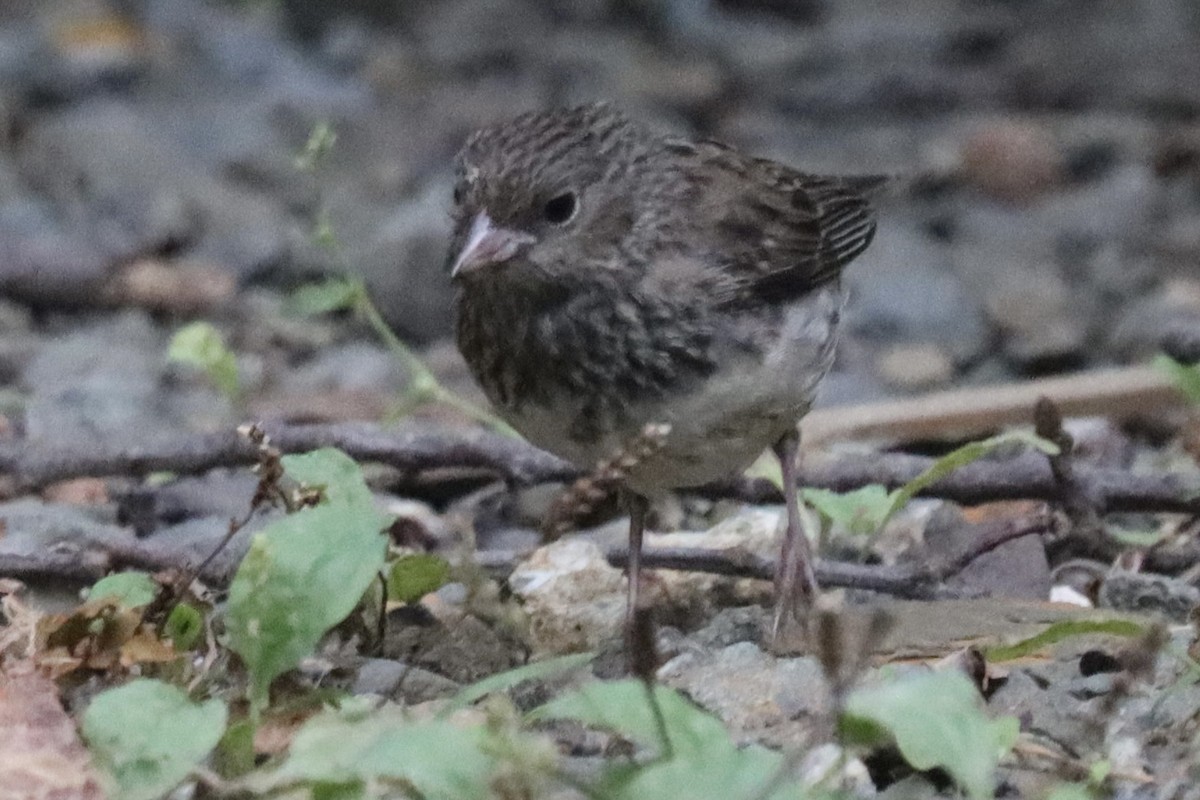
point(460, 193)
point(561, 208)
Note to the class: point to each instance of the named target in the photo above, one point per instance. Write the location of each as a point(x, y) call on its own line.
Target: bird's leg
point(795, 581)
point(638, 508)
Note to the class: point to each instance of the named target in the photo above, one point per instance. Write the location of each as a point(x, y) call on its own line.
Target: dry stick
point(1079, 506)
point(1118, 394)
point(412, 447)
point(95, 559)
point(909, 582)
point(427, 447)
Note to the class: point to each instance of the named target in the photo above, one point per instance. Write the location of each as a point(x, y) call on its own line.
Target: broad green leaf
point(442, 761)
point(1063, 630)
point(972, 451)
point(723, 771)
point(132, 589)
point(1071, 791)
point(936, 720)
point(335, 294)
point(510, 678)
point(701, 754)
point(1186, 377)
point(624, 707)
point(201, 345)
point(302, 575)
point(338, 476)
point(354, 790)
point(184, 626)
point(147, 735)
point(414, 576)
point(862, 511)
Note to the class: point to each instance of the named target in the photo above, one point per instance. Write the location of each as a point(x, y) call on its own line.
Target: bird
point(609, 277)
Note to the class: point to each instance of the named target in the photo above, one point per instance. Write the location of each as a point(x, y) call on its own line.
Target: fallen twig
point(414, 447)
point(419, 448)
point(914, 582)
point(965, 413)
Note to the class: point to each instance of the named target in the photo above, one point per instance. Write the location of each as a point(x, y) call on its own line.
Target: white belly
point(721, 425)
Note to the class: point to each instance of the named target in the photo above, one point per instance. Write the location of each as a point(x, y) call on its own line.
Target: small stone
point(915, 366)
point(575, 600)
point(185, 288)
point(1039, 317)
point(1013, 161)
point(385, 677)
point(77, 492)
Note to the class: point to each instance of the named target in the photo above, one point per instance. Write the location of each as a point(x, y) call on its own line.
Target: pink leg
point(795, 581)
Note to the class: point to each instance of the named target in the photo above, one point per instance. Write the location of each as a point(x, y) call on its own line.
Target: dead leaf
point(100, 635)
point(41, 757)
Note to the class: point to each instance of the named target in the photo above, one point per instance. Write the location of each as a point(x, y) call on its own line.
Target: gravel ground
point(1047, 220)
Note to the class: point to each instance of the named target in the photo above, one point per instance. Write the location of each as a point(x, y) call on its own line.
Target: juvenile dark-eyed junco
point(610, 277)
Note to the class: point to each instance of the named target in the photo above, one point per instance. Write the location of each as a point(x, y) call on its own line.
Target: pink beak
point(487, 244)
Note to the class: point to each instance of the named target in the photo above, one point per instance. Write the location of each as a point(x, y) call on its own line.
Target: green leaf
point(1131, 537)
point(936, 720)
point(132, 589)
point(302, 575)
point(862, 511)
point(184, 626)
point(1070, 791)
point(235, 756)
point(414, 576)
point(317, 148)
point(335, 294)
point(441, 761)
point(1098, 772)
point(972, 451)
point(766, 466)
point(1063, 630)
point(1185, 377)
point(336, 474)
point(624, 707)
point(147, 735)
point(510, 678)
point(201, 345)
point(701, 752)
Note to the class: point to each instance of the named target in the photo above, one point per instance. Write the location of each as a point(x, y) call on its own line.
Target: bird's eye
point(560, 208)
point(460, 194)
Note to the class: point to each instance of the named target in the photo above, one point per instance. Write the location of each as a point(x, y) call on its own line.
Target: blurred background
point(149, 177)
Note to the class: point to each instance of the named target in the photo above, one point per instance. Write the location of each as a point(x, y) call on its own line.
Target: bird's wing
point(776, 232)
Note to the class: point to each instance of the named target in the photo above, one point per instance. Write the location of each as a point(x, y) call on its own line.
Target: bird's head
point(544, 194)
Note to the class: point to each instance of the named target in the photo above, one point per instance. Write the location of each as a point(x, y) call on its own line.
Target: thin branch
point(419, 448)
point(918, 581)
point(1080, 506)
point(413, 447)
point(1119, 394)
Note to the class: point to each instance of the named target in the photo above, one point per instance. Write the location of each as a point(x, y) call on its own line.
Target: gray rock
point(32, 526)
point(387, 678)
point(404, 265)
point(78, 392)
point(903, 289)
point(760, 697)
point(116, 175)
point(1042, 320)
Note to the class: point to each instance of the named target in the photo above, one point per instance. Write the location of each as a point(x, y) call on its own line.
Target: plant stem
point(424, 386)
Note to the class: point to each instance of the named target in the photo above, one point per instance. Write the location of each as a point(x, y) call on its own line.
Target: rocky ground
point(1047, 220)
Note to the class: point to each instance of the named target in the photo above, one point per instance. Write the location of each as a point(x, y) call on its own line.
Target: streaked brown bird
point(610, 277)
